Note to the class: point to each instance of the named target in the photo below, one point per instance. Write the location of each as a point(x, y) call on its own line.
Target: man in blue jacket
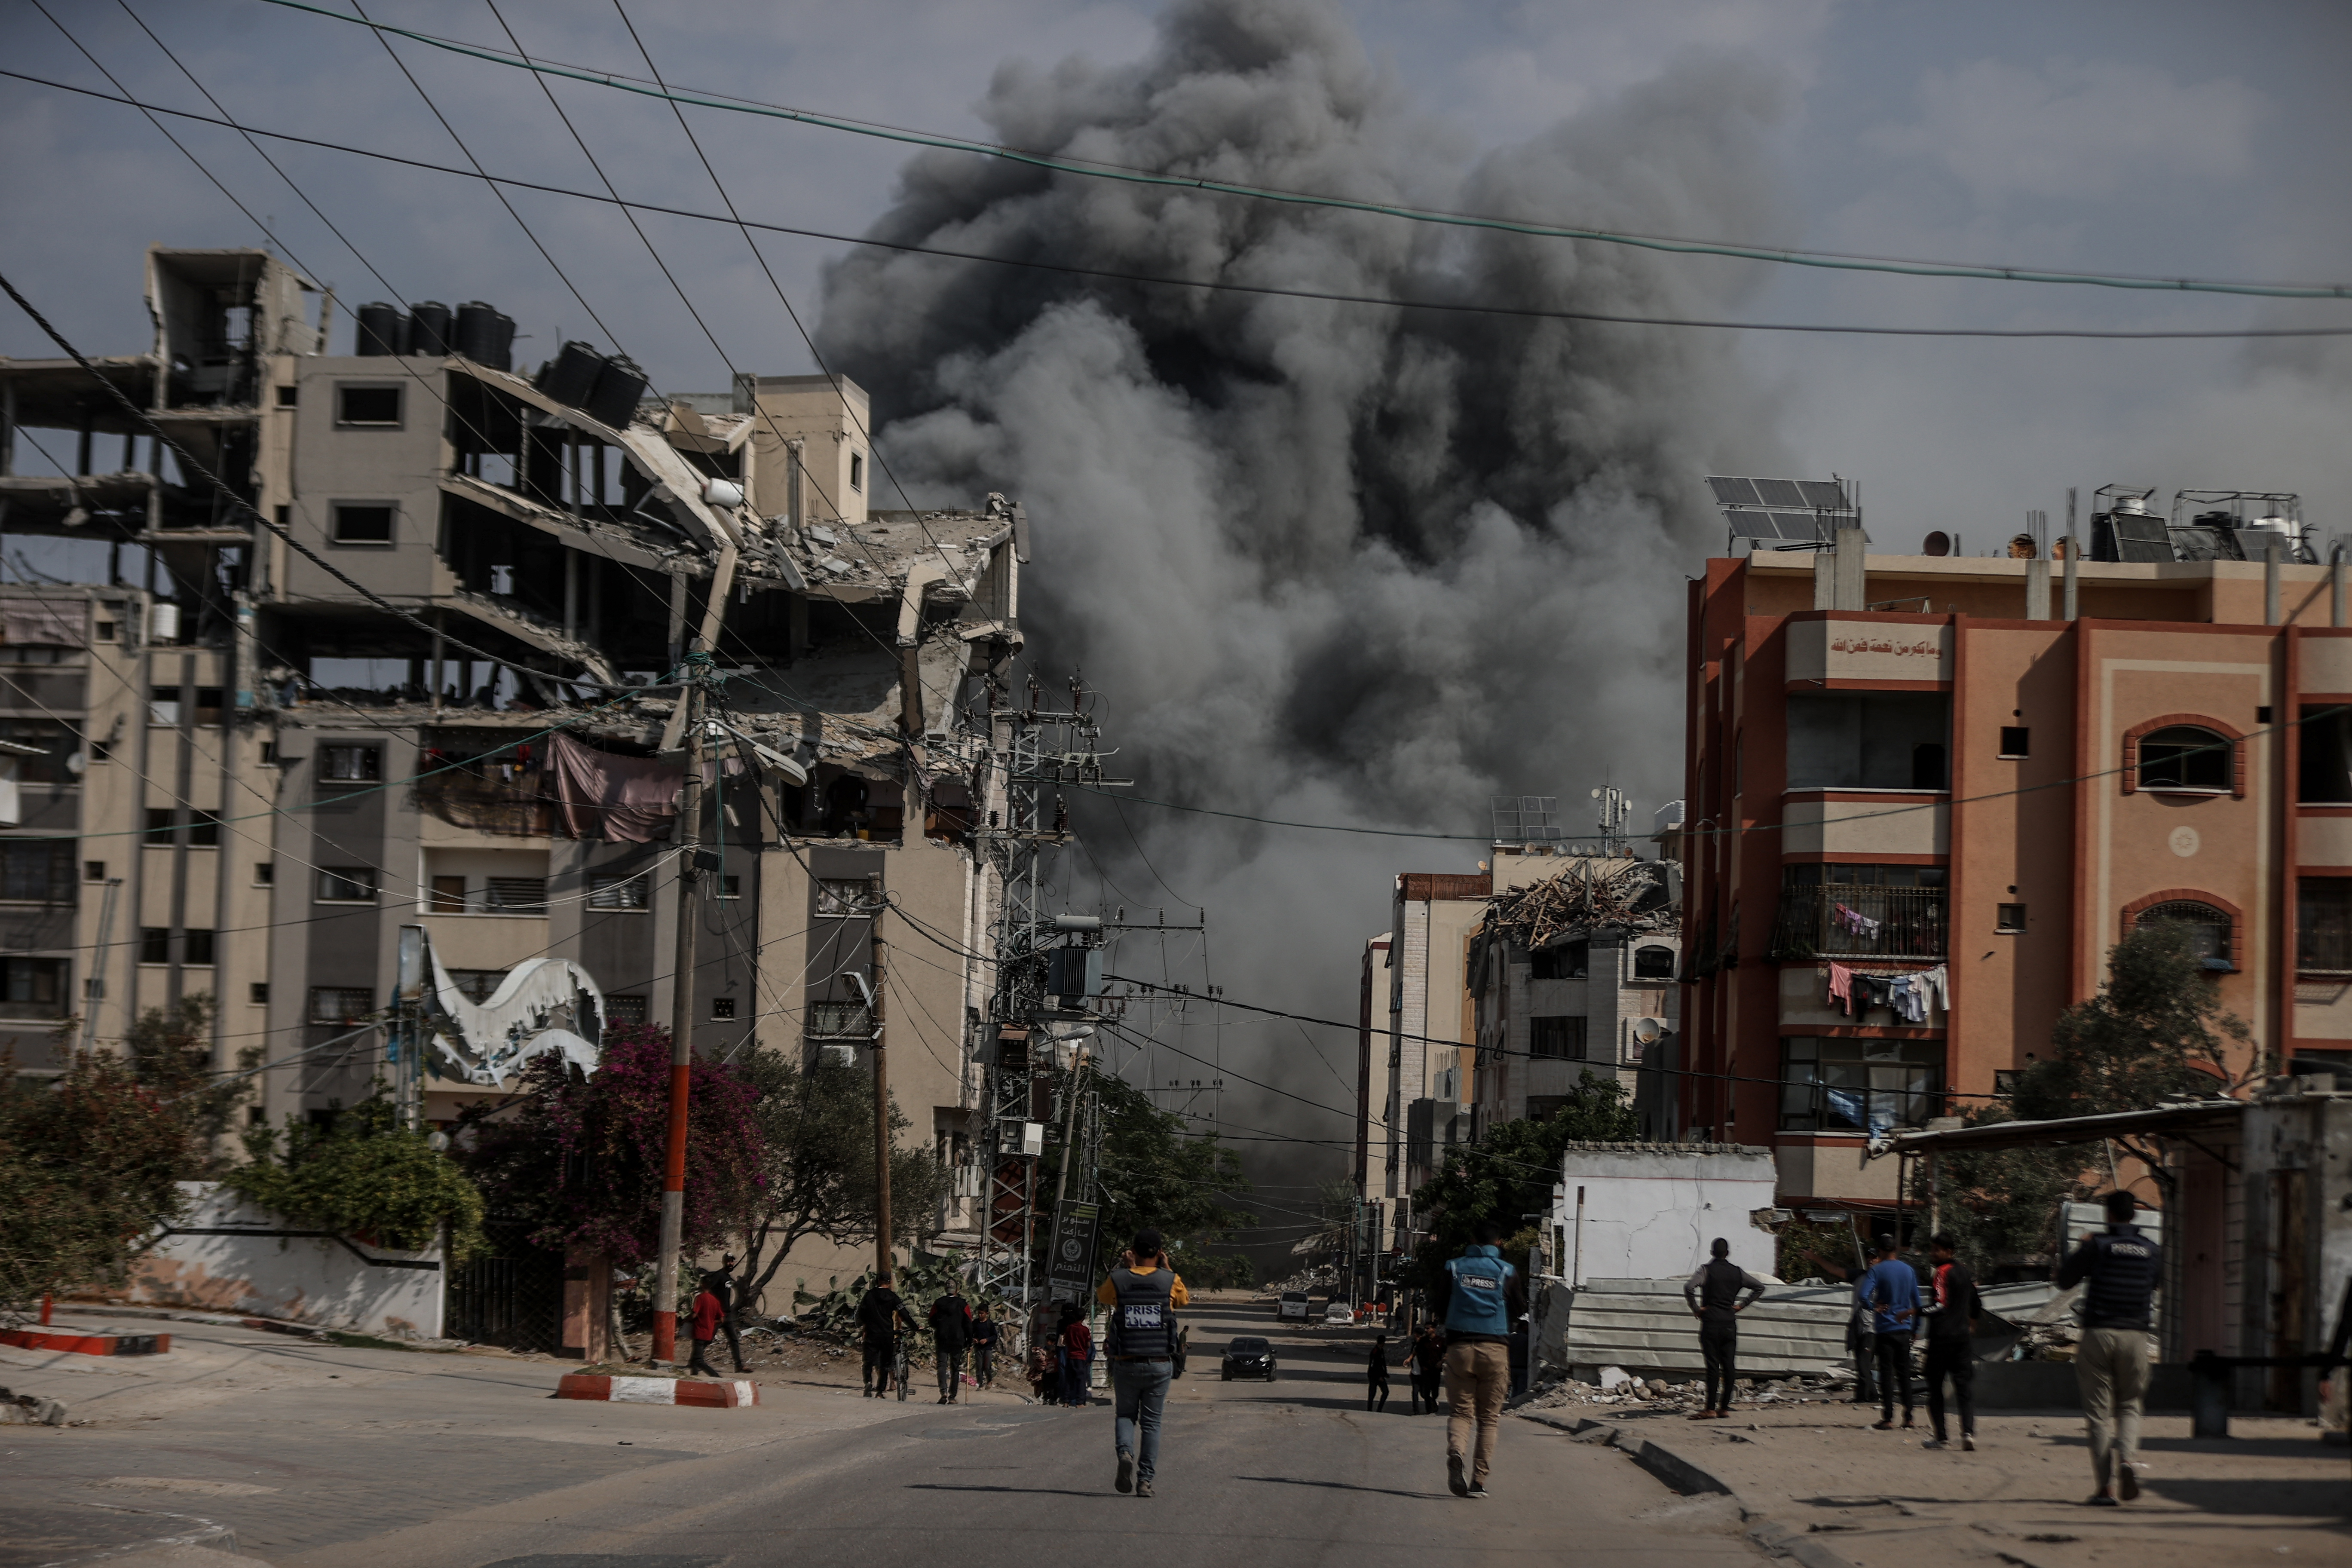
point(1890, 1291)
point(1478, 1298)
point(2123, 1268)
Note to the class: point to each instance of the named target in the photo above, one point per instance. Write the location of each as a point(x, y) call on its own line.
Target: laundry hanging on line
point(1909, 996)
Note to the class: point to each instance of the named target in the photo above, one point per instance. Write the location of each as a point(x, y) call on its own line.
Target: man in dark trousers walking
point(984, 1337)
point(951, 1333)
point(1427, 1356)
point(1951, 1311)
point(1478, 1297)
point(2122, 1268)
point(722, 1283)
point(1713, 1294)
point(1376, 1375)
point(1142, 1293)
point(880, 1312)
point(1890, 1291)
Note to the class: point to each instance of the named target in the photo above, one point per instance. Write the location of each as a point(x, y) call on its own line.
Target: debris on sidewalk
point(30, 1410)
point(1618, 1389)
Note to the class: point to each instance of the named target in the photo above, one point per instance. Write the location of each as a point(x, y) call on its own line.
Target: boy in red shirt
point(707, 1311)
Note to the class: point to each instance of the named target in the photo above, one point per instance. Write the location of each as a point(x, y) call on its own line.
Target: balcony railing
point(1842, 921)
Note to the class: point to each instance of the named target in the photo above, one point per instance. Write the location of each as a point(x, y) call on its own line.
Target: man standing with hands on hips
point(1478, 1296)
point(1713, 1294)
point(1142, 1293)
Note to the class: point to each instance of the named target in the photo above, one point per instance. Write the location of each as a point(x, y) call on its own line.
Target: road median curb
point(1777, 1538)
point(101, 1341)
point(729, 1394)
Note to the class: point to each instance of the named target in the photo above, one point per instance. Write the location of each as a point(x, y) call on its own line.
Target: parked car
point(1339, 1312)
point(1294, 1304)
point(1248, 1357)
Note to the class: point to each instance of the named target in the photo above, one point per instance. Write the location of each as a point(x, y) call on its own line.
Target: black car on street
point(1249, 1357)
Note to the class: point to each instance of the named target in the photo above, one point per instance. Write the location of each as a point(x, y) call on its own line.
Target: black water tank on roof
point(619, 386)
point(429, 330)
point(486, 336)
point(571, 376)
point(383, 329)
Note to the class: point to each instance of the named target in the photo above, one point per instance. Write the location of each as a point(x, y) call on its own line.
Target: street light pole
point(681, 1029)
point(881, 1099)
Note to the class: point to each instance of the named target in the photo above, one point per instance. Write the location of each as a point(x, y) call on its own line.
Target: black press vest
point(1144, 1323)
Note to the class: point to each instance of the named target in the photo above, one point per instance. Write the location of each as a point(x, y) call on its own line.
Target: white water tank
point(163, 623)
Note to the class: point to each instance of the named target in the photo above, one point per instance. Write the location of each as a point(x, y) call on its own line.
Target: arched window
point(2208, 929)
point(2186, 757)
point(1654, 962)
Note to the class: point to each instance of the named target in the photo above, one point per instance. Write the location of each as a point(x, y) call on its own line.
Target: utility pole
point(881, 1099)
point(681, 1028)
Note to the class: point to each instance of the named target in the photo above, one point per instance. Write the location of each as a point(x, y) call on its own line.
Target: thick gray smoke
point(1327, 562)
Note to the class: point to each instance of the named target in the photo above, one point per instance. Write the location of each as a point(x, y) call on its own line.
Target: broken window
point(617, 892)
point(2186, 757)
point(377, 405)
point(363, 522)
point(843, 896)
point(1868, 740)
point(340, 1003)
point(350, 764)
point(722, 1009)
point(2323, 925)
point(154, 944)
point(2326, 761)
point(346, 885)
point(1654, 962)
point(1560, 1038)
point(199, 948)
point(1567, 961)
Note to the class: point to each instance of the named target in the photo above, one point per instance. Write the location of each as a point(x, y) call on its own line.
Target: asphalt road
point(428, 1462)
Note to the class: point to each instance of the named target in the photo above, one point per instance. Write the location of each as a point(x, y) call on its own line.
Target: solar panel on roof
point(1733, 491)
point(1797, 525)
point(1824, 494)
point(1781, 492)
point(2140, 538)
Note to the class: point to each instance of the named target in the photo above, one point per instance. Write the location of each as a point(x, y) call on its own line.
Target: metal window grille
point(617, 892)
point(340, 1004)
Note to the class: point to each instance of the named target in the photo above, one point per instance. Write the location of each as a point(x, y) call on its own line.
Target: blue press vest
point(1477, 1304)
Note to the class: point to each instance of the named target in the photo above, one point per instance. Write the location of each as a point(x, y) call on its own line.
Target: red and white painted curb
point(727, 1396)
point(105, 1342)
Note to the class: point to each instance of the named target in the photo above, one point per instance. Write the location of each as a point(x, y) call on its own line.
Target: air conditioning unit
point(1033, 1138)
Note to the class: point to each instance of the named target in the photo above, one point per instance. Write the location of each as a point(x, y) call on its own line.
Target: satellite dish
point(1648, 1031)
point(1937, 544)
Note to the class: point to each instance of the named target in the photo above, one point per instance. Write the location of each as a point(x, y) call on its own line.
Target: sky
point(1380, 646)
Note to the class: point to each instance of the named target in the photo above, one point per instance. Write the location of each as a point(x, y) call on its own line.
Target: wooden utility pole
point(681, 1028)
point(881, 1099)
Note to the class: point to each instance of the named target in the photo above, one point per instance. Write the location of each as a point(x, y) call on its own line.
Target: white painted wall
point(257, 1270)
point(1651, 1210)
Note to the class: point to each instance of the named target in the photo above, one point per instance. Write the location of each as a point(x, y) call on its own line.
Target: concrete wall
point(229, 1257)
point(1651, 1212)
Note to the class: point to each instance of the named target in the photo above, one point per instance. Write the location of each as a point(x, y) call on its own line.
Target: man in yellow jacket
point(1142, 1293)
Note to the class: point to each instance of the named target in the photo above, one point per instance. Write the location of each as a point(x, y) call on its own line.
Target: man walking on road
point(722, 1283)
point(707, 1311)
point(1713, 1294)
point(1890, 1291)
point(1376, 1375)
point(1426, 1356)
point(1478, 1295)
point(983, 1346)
point(1142, 1293)
point(1077, 1355)
point(879, 1314)
point(1951, 1312)
point(951, 1333)
point(2111, 1363)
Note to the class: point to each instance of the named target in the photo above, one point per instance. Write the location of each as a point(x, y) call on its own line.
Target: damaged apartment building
point(236, 773)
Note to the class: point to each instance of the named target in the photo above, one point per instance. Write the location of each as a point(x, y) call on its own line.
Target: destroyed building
point(430, 680)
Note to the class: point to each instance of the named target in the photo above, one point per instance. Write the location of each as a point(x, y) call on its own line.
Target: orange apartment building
point(1908, 763)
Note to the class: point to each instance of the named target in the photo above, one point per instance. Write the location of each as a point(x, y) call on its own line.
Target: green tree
point(1511, 1173)
point(362, 1174)
point(170, 1052)
point(90, 1165)
point(817, 1164)
point(2156, 1029)
point(1155, 1173)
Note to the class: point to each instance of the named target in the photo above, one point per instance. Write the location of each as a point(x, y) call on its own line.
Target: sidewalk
point(1817, 1484)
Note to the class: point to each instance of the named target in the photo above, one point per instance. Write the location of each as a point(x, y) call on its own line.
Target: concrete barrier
point(226, 1256)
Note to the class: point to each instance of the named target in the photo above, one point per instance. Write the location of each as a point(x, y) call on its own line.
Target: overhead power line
point(1740, 251)
point(1116, 275)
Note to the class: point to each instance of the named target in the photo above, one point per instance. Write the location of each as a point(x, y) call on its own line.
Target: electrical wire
point(1159, 281)
point(1746, 252)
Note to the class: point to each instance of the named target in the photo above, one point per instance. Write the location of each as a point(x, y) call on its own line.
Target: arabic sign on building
point(1070, 1260)
point(1869, 650)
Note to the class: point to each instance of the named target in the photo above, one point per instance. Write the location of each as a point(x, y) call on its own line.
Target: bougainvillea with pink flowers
point(580, 1155)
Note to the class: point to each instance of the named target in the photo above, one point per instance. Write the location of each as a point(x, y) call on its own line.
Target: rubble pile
point(1619, 1390)
point(1625, 895)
